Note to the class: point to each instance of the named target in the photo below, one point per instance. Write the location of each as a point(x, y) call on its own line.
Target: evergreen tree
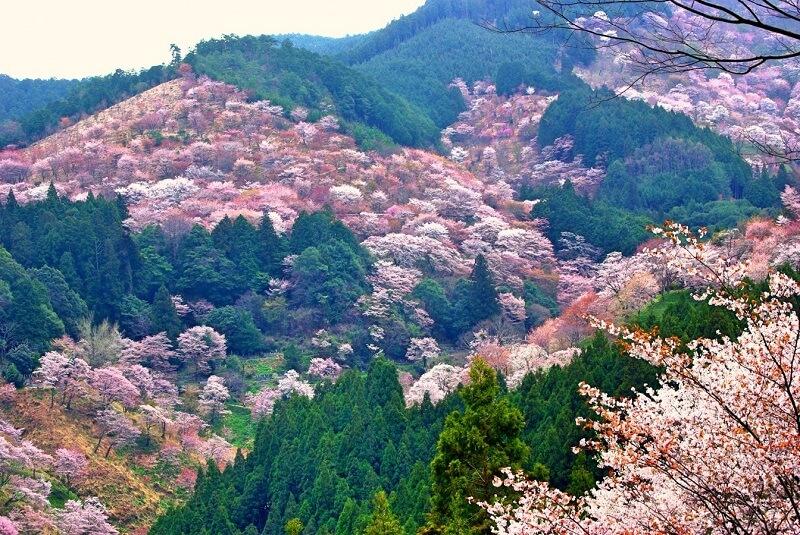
point(164, 317)
point(484, 296)
point(383, 521)
point(471, 450)
point(270, 247)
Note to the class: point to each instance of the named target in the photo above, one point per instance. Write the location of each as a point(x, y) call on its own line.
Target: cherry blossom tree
point(306, 131)
point(154, 416)
point(8, 526)
point(87, 518)
point(70, 464)
point(213, 398)
point(512, 307)
point(19, 461)
point(436, 383)
point(216, 448)
point(63, 375)
point(391, 284)
point(423, 349)
point(187, 426)
point(262, 403)
point(791, 200)
point(409, 251)
point(112, 386)
point(200, 346)
point(716, 448)
point(685, 36)
point(324, 368)
point(116, 426)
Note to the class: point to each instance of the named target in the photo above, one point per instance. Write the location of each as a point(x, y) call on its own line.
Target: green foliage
point(678, 314)
point(435, 302)
point(471, 450)
point(11, 374)
point(18, 97)
point(550, 402)
point(602, 225)
point(241, 333)
point(420, 66)
point(292, 357)
point(163, 316)
point(26, 314)
point(659, 164)
point(327, 46)
point(538, 305)
point(66, 302)
point(331, 267)
point(83, 262)
point(292, 76)
point(323, 460)
point(204, 272)
point(85, 241)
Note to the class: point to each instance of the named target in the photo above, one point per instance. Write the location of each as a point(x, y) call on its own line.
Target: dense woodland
point(22, 96)
point(305, 285)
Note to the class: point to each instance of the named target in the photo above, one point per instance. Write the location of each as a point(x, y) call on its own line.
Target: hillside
point(310, 290)
point(293, 77)
point(83, 98)
point(134, 488)
point(18, 97)
point(419, 54)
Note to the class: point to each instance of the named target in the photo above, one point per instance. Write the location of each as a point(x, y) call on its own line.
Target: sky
point(79, 38)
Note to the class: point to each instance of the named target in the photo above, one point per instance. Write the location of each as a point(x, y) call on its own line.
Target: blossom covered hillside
point(193, 151)
point(758, 110)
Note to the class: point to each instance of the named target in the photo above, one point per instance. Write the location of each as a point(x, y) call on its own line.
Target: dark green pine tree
point(483, 294)
point(26, 314)
point(472, 449)
point(222, 235)
point(243, 250)
point(163, 316)
point(270, 247)
point(52, 202)
point(474, 300)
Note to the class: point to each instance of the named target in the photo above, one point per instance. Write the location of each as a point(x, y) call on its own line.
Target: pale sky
point(78, 38)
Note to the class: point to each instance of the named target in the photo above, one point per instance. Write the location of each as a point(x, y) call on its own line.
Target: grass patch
point(240, 424)
point(262, 369)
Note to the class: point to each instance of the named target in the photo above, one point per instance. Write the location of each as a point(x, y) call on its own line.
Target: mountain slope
point(18, 97)
point(500, 13)
point(85, 97)
point(291, 77)
point(421, 67)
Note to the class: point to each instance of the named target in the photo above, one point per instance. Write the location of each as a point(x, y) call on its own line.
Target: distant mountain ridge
point(511, 12)
point(18, 97)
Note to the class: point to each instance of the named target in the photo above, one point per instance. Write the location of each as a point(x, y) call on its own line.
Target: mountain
point(289, 76)
point(83, 98)
point(328, 46)
point(18, 97)
point(420, 54)
point(249, 224)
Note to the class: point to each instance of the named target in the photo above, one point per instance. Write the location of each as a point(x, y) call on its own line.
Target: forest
point(432, 280)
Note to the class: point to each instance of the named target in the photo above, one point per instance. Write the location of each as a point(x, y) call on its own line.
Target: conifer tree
point(472, 449)
point(163, 314)
point(383, 521)
point(483, 294)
